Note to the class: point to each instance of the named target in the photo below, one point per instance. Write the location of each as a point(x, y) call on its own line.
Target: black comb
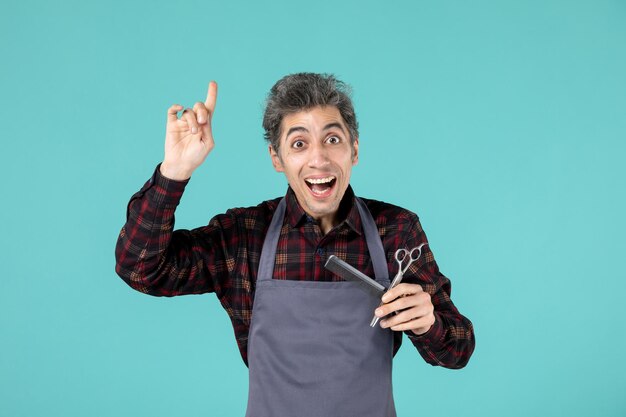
point(350, 273)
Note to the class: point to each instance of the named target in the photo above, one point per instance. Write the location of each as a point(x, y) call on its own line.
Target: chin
point(323, 209)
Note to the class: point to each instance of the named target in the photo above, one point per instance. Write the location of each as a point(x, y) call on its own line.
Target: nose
point(318, 156)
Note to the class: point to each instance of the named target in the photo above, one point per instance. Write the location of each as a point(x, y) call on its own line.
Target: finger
point(398, 319)
point(190, 117)
point(422, 323)
point(397, 305)
point(172, 112)
point(207, 134)
point(418, 323)
point(202, 114)
point(211, 97)
point(406, 315)
point(400, 290)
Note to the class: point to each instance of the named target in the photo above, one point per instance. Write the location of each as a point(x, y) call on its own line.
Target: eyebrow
point(304, 129)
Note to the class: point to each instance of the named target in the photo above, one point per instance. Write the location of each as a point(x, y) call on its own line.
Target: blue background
point(501, 123)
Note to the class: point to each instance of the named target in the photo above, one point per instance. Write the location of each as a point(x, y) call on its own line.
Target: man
point(303, 332)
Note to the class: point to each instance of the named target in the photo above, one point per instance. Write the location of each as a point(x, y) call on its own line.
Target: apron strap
point(372, 238)
point(268, 253)
point(374, 244)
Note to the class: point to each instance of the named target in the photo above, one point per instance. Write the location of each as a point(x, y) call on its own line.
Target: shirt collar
point(348, 211)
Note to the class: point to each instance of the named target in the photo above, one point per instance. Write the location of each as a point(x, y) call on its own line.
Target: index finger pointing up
point(211, 97)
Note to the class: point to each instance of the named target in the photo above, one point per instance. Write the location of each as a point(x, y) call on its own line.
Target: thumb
point(207, 132)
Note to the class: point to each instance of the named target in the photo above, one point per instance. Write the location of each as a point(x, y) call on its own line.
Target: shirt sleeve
point(450, 341)
point(154, 259)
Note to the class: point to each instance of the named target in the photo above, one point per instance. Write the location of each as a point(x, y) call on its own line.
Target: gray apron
point(311, 351)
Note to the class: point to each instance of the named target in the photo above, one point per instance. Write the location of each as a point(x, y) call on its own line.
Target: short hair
point(303, 91)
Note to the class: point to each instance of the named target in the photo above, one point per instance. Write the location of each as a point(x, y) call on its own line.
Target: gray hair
point(303, 91)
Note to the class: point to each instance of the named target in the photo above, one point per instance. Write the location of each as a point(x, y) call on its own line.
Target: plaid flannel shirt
point(223, 257)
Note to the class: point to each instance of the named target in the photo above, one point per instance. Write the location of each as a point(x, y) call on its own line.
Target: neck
point(326, 223)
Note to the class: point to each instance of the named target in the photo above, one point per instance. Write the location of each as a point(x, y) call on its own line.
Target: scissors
point(401, 256)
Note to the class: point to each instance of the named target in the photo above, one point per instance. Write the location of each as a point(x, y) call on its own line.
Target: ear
point(355, 152)
point(276, 162)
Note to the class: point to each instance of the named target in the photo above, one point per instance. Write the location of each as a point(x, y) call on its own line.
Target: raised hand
point(188, 139)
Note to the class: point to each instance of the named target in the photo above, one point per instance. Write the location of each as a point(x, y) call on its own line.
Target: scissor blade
point(397, 279)
point(348, 272)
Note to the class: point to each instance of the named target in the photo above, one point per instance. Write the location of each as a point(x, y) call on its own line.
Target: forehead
point(312, 119)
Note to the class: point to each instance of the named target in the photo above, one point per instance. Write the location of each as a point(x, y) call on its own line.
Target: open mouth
point(321, 187)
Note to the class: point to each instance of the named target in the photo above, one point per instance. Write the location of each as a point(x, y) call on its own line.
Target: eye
point(298, 144)
point(333, 139)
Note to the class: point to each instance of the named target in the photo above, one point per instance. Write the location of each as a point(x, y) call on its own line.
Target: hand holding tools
point(402, 255)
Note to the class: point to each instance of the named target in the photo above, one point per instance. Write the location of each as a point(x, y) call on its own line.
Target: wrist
point(433, 335)
point(421, 331)
point(174, 172)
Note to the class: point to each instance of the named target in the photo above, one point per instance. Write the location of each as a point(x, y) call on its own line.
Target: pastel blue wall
point(502, 124)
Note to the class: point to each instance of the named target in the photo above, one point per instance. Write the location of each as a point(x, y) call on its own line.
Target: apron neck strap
point(374, 244)
point(268, 253)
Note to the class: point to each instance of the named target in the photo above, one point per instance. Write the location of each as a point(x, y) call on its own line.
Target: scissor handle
point(402, 254)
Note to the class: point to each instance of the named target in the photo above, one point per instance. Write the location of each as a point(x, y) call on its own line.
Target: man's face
point(317, 158)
